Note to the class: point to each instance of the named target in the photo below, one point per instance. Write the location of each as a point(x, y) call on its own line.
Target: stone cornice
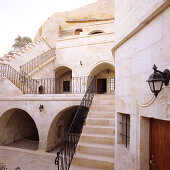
point(150, 15)
point(88, 20)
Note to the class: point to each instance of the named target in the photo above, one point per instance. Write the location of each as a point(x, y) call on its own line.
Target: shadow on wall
point(59, 128)
point(17, 125)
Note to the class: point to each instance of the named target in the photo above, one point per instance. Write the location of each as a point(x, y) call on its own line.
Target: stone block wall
point(134, 59)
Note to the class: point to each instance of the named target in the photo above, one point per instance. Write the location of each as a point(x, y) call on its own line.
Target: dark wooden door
point(159, 145)
point(101, 86)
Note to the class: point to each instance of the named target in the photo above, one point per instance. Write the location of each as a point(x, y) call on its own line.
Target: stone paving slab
point(27, 159)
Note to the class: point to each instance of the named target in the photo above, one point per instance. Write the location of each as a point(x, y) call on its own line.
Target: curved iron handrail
point(68, 146)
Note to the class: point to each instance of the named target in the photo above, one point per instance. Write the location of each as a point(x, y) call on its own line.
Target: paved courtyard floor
point(26, 159)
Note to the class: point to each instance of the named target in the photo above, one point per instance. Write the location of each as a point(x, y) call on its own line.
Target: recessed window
point(66, 86)
point(124, 129)
point(112, 84)
point(78, 31)
point(96, 32)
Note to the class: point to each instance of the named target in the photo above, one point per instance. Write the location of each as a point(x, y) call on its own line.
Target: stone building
point(75, 60)
point(142, 121)
point(43, 84)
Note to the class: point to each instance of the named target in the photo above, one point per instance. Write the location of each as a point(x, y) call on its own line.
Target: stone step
point(96, 149)
point(76, 167)
point(93, 161)
point(109, 130)
point(100, 121)
point(102, 107)
point(104, 102)
point(97, 138)
point(101, 114)
point(104, 97)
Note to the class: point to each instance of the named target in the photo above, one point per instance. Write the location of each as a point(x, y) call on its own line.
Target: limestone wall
point(91, 50)
point(134, 60)
point(63, 24)
point(25, 54)
point(7, 88)
point(131, 13)
point(53, 107)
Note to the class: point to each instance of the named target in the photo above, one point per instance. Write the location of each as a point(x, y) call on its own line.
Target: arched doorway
point(59, 128)
point(63, 77)
point(105, 75)
point(18, 129)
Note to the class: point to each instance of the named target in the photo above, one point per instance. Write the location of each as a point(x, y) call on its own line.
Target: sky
point(24, 17)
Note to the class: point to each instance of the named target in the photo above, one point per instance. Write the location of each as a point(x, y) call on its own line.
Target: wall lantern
point(41, 107)
point(157, 79)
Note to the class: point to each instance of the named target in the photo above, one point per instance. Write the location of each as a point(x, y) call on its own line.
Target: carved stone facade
point(79, 44)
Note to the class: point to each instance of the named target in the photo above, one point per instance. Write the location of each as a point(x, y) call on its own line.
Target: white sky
point(24, 17)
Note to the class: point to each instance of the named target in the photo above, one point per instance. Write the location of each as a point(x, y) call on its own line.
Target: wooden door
point(159, 145)
point(101, 86)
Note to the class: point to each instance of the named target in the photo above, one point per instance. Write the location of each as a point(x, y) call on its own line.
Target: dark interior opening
point(40, 90)
point(66, 86)
point(101, 86)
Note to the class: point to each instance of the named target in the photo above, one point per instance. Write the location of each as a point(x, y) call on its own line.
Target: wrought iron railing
point(45, 86)
point(68, 147)
point(37, 61)
point(6, 71)
point(76, 85)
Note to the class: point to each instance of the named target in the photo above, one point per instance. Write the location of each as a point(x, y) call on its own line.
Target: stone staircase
point(25, 54)
point(95, 149)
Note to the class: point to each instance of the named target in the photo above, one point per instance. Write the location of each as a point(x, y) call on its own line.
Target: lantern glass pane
point(151, 85)
point(158, 85)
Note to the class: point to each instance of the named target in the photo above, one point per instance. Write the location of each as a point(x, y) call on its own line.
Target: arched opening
point(59, 128)
point(105, 75)
point(63, 77)
point(96, 32)
point(40, 89)
point(78, 31)
point(18, 129)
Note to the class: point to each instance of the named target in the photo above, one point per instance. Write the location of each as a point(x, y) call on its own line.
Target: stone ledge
point(151, 14)
point(45, 97)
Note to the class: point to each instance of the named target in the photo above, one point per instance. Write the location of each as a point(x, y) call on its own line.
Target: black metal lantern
point(157, 79)
point(41, 107)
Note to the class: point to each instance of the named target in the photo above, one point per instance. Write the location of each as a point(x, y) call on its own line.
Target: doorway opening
point(105, 78)
point(101, 86)
point(159, 144)
point(66, 86)
point(63, 76)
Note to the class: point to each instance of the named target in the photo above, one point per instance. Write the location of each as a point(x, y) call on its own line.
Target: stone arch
point(96, 32)
point(63, 75)
point(18, 129)
point(59, 128)
point(105, 73)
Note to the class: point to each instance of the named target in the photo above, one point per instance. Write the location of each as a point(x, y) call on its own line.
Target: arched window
point(78, 31)
point(96, 32)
